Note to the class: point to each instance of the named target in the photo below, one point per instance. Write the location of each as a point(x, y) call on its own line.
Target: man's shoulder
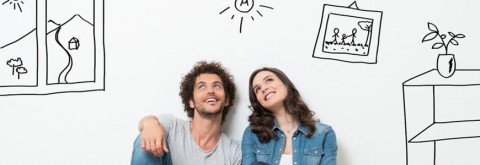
point(232, 148)
point(172, 123)
point(170, 118)
point(233, 145)
point(229, 142)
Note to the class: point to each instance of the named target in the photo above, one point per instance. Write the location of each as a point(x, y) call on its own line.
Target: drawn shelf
point(462, 77)
point(448, 131)
point(429, 102)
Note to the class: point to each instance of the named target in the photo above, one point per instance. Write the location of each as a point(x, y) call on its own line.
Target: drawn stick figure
point(344, 36)
point(354, 31)
point(336, 30)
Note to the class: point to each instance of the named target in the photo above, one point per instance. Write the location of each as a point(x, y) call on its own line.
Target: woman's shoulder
point(322, 128)
point(248, 131)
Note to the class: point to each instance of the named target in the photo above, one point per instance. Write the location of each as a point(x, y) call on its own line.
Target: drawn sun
point(15, 3)
point(244, 9)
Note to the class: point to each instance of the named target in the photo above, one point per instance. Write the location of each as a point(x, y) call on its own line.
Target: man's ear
point(227, 102)
point(192, 104)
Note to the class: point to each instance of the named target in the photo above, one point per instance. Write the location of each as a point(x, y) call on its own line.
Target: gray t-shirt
point(184, 150)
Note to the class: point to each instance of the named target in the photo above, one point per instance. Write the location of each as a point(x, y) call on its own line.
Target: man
point(207, 93)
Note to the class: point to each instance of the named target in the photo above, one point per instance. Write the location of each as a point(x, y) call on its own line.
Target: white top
point(286, 160)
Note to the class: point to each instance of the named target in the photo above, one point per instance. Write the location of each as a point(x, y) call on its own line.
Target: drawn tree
point(21, 70)
point(14, 63)
point(367, 26)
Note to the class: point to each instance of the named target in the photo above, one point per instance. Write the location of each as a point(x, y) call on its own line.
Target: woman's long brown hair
point(262, 120)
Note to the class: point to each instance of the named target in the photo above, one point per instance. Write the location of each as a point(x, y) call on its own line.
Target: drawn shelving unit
point(63, 53)
point(431, 118)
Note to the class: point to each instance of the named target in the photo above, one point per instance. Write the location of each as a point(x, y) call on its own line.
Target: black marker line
point(224, 10)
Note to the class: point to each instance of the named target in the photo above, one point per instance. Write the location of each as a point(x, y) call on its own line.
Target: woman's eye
point(256, 89)
point(269, 79)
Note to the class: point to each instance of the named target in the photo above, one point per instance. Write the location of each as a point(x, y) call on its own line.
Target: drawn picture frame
point(340, 26)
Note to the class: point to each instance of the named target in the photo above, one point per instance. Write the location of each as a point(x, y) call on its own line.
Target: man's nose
point(210, 90)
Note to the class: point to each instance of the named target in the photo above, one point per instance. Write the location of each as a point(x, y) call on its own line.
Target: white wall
point(151, 44)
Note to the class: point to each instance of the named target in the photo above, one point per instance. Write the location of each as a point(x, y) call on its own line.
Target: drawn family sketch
point(434, 113)
point(74, 57)
point(245, 10)
point(348, 34)
point(18, 43)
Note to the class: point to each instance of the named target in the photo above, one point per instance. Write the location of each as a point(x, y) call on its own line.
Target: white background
point(151, 44)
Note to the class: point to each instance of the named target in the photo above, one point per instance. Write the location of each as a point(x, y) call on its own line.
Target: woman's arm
point(330, 149)
point(248, 156)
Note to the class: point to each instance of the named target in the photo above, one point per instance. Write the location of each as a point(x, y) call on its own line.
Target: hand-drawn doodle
point(446, 63)
point(15, 3)
point(18, 44)
point(244, 9)
point(67, 62)
point(348, 34)
point(429, 120)
point(19, 66)
point(74, 60)
point(21, 70)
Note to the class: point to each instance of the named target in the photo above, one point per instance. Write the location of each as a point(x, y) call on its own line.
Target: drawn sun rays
point(246, 9)
point(15, 3)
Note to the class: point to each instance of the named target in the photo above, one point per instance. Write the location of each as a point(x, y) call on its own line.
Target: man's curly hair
point(201, 67)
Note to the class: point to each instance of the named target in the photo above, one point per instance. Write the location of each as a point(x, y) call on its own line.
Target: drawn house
point(73, 44)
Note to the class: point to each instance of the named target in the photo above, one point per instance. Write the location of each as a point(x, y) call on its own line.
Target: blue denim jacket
point(320, 149)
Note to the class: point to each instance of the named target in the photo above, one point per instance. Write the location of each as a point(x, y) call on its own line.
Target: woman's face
point(269, 90)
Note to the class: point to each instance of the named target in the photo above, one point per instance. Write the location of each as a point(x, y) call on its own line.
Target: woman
point(282, 128)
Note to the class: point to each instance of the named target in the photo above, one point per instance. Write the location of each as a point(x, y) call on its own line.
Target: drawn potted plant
point(446, 64)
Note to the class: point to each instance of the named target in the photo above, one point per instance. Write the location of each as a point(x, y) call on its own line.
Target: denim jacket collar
point(301, 128)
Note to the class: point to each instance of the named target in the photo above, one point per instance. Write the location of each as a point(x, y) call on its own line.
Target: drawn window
point(18, 44)
point(73, 60)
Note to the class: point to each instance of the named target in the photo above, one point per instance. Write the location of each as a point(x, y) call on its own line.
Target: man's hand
point(152, 135)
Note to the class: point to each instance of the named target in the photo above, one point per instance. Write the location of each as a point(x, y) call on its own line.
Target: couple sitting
point(282, 128)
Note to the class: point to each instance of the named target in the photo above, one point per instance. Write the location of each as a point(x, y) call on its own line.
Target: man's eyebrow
point(199, 83)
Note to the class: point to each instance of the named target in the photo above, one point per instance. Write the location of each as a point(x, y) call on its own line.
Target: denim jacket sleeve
point(330, 148)
point(248, 142)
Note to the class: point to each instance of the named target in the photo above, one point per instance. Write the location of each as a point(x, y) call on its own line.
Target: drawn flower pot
point(446, 65)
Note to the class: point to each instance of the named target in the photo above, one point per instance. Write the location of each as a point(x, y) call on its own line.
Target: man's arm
point(152, 135)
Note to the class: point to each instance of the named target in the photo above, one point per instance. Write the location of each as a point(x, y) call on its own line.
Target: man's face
point(209, 95)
